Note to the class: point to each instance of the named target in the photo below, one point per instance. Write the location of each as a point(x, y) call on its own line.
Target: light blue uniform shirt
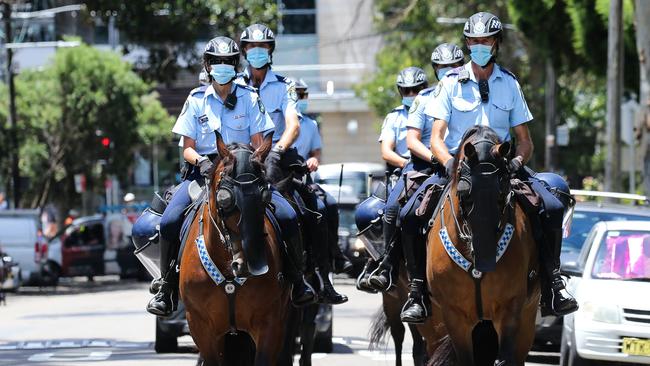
point(309, 138)
point(394, 129)
point(204, 112)
point(417, 119)
point(460, 104)
point(278, 95)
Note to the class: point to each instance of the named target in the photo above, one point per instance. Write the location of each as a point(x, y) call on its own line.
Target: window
point(297, 17)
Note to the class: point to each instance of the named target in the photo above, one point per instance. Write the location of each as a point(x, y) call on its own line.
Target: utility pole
point(614, 94)
point(13, 135)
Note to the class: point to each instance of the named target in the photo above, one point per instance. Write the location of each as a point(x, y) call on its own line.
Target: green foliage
point(169, 29)
point(61, 109)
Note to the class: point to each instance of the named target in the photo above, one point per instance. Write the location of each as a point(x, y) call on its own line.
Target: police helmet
point(411, 77)
point(203, 78)
point(558, 186)
point(447, 54)
point(220, 48)
point(483, 24)
point(367, 214)
point(257, 33)
point(300, 84)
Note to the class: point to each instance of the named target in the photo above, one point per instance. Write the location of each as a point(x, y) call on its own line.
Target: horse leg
point(307, 332)
point(507, 327)
point(268, 343)
point(418, 346)
point(397, 331)
point(461, 335)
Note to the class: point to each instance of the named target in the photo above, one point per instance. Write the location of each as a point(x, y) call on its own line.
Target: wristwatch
point(279, 149)
point(433, 159)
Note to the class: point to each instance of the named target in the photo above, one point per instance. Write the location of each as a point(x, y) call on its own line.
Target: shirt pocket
point(501, 109)
point(237, 130)
point(464, 104)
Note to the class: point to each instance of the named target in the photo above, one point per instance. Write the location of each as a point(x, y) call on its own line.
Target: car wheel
point(165, 342)
point(323, 341)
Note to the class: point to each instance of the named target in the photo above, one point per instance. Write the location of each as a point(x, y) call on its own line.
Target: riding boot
point(165, 302)
point(556, 300)
point(328, 294)
point(381, 279)
point(302, 294)
point(342, 263)
point(362, 281)
point(416, 309)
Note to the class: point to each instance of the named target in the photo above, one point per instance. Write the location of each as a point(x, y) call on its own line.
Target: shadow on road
point(80, 285)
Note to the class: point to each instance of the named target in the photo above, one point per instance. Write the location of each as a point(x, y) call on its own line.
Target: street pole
point(551, 110)
point(13, 135)
point(614, 93)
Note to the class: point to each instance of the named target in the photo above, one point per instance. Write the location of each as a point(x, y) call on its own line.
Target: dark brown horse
point(488, 305)
point(231, 232)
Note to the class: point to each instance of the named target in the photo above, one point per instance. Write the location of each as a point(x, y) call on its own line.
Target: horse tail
point(379, 328)
point(444, 354)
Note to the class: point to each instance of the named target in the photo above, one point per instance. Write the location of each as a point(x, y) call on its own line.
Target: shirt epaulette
point(281, 78)
point(427, 91)
point(398, 108)
point(506, 71)
point(200, 89)
point(247, 87)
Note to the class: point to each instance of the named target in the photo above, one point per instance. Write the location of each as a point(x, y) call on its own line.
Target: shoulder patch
point(200, 89)
point(415, 105)
point(291, 91)
point(506, 71)
point(261, 105)
point(187, 103)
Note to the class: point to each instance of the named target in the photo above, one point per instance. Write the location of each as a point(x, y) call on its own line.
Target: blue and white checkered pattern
point(454, 254)
point(503, 243)
point(207, 262)
point(209, 265)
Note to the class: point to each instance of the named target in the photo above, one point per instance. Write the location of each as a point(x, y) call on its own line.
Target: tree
point(62, 109)
point(169, 29)
point(643, 121)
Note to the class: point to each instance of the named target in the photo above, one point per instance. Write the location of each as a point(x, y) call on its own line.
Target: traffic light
point(106, 142)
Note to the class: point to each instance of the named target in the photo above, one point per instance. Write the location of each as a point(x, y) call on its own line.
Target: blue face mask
point(480, 54)
point(257, 57)
point(441, 72)
point(407, 101)
point(222, 73)
point(302, 105)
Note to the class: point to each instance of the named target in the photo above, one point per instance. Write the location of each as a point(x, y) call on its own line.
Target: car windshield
point(356, 181)
point(346, 220)
point(623, 254)
point(584, 220)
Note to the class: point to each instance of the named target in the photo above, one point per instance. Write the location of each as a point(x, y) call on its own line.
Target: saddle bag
point(526, 196)
point(430, 199)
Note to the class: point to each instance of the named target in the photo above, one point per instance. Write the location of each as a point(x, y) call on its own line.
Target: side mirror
point(571, 269)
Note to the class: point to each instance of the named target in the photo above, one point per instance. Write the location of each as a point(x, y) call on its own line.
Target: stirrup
point(380, 268)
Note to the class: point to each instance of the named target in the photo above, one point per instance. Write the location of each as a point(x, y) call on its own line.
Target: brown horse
point(488, 305)
point(235, 231)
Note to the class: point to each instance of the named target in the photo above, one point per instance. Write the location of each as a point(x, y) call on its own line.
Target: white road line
point(68, 357)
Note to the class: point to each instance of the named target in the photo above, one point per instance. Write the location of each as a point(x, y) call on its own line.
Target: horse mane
point(478, 132)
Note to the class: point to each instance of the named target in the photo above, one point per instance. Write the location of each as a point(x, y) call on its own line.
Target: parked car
point(611, 281)
point(93, 246)
point(356, 177)
point(21, 239)
point(586, 215)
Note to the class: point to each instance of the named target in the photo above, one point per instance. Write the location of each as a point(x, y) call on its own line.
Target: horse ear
point(222, 149)
point(469, 150)
point(504, 149)
point(262, 151)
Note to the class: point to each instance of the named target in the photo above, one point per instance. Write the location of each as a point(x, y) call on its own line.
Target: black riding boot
point(381, 278)
point(302, 294)
point(165, 302)
point(556, 300)
point(362, 280)
point(416, 309)
point(341, 263)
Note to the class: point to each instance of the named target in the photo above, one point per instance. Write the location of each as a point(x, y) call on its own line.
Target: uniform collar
point(496, 72)
point(211, 92)
point(269, 78)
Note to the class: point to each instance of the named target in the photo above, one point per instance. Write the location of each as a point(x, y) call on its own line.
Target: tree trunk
point(614, 93)
point(642, 11)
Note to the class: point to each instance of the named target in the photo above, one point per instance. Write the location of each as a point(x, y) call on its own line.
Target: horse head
point(240, 193)
point(482, 164)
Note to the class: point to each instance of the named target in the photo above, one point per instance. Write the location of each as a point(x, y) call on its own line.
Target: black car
point(586, 215)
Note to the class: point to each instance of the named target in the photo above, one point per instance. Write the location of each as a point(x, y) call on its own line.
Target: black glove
point(449, 167)
point(206, 168)
point(514, 165)
point(274, 172)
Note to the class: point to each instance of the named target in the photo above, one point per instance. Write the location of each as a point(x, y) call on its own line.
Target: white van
point(20, 239)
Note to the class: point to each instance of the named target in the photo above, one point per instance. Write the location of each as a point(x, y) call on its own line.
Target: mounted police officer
point(308, 145)
point(484, 93)
point(410, 81)
point(237, 113)
point(279, 97)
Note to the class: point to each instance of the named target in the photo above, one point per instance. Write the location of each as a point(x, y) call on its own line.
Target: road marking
point(70, 357)
point(82, 343)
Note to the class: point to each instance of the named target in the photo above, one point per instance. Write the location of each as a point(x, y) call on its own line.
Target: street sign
point(562, 135)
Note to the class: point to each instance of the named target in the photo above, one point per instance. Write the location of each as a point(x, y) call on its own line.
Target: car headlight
point(604, 313)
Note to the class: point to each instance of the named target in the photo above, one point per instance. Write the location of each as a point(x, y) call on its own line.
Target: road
point(104, 323)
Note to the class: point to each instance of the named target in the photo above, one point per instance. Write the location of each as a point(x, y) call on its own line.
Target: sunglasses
point(412, 89)
point(302, 95)
point(216, 60)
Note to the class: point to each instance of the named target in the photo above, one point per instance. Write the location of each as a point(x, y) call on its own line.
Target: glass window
point(297, 17)
point(299, 4)
point(623, 255)
point(583, 221)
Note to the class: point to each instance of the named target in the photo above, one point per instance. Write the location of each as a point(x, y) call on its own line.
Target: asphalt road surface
point(104, 323)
